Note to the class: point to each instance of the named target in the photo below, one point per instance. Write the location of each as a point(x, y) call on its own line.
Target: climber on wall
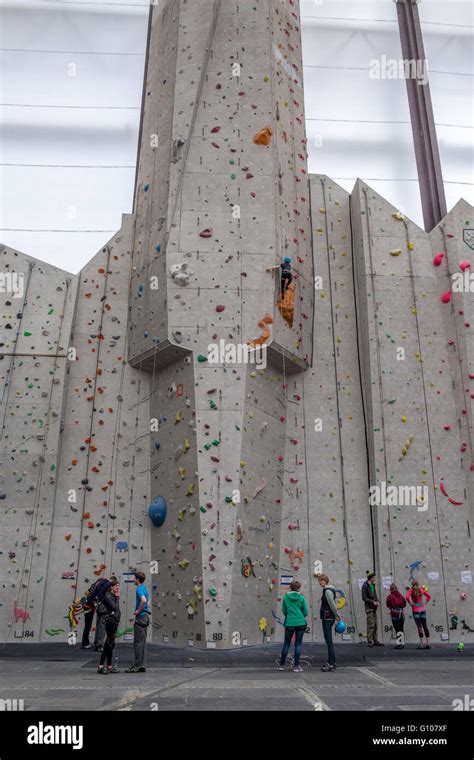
point(286, 273)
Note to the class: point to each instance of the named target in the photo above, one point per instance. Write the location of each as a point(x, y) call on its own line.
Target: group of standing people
point(103, 599)
point(417, 597)
point(295, 611)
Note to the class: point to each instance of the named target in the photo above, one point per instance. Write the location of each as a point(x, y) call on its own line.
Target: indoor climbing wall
point(36, 307)
point(325, 519)
point(232, 157)
point(417, 437)
point(100, 522)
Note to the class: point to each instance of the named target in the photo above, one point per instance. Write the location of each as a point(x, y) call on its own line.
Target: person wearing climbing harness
point(142, 621)
point(109, 608)
point(286, 273)
point(101, 588)
point(295, 611)
point(371, 603)
point(415, 599)
point(396, 603)
point(328, 615)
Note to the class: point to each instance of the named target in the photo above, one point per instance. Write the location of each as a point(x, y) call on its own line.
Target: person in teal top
point(295, 610)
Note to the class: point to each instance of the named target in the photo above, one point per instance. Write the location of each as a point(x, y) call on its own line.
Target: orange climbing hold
point(263, 137)
point(263, 324)
point(286, 304)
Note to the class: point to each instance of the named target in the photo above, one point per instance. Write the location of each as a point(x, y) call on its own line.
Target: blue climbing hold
point(140, 290)
point(157, 445)
point(158, 248)
point(157, 511)
point(340, 626)
point(146, 187)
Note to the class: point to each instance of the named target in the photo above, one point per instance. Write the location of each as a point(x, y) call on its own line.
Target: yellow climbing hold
point(178, 417)
point(186, 445)
point(411, 246)
point(398, 216)
point(184, 563)
point(190, 490)
point(182, 472)
point(404, 419)
point(396, 252)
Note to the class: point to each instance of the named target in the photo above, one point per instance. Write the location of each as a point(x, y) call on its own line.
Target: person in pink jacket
point(417, 598)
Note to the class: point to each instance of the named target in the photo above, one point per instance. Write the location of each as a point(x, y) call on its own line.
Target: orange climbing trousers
point(286, 304)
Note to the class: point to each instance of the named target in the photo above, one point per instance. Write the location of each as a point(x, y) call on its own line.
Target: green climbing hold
point(27, 334)
point(202, 358)
point(213, 591)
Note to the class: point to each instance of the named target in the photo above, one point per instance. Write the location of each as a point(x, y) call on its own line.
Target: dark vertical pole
point(145, 77)
point(430, 175)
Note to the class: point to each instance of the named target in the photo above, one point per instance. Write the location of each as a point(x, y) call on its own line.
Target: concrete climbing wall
point(131, 381)
point(416, 432)
point(36, 307)
point(81, 479)
point(325, 520)
point(232, 158)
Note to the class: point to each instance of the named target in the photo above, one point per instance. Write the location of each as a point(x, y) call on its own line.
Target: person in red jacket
point(415, 599)
point(396, 603)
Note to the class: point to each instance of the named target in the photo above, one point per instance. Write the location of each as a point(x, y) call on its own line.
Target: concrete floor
point(421, 681)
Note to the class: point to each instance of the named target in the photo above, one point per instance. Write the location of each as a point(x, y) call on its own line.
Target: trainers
point(328, 668)
point(298, 669)
point(131, 669)
point(86, 646)
point(141, 670)
point(280, 667)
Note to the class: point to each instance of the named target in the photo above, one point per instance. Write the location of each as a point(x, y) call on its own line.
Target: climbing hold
point(263, 324)
point(157, 511)
point(465, 265)
point(263, 137)
point(396, 252)
point(445, 493)
point(446, 297)
point(212, 591)
point(438, 259)
point(202, 358)
point(207, 233)
point(220, 308)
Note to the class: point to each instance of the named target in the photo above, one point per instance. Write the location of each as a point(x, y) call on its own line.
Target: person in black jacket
point(93, 596)
point(328, 614)
point(109, 608)
point(101, 589)
point(371, 602)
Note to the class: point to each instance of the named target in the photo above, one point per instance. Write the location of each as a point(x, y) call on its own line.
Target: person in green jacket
point(295, 610)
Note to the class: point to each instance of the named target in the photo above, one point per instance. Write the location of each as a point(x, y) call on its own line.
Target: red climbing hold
point(438, 259)
point(465, 265)
point(446, 297)
point(206, 233)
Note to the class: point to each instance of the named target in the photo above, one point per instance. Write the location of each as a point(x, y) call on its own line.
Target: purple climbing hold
point(220, 308)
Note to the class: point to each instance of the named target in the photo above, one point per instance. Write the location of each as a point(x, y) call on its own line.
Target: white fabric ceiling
point(70, 104)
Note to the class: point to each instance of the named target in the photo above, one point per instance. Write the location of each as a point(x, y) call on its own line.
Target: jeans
point(139, 643)
point(327, 630)
point(110, 631)
point(299, 633)
point(371, 613)
point(99, 631)
point(88, 618)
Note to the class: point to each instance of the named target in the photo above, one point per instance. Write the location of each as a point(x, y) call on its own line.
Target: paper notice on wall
point(387, 581)
point(466, 576)
point(361, 582)
point(433, 576)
